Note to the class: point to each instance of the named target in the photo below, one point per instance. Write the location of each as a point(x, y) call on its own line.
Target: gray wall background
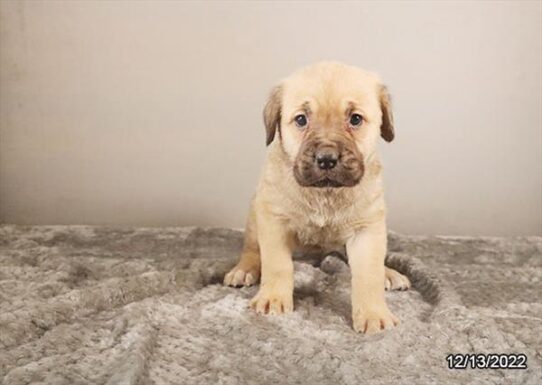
point(140, 113)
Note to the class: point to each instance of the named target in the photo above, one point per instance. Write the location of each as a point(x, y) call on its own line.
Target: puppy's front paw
point(242, 276)
point(374, 320)
point(273, 298)
point(395, 280)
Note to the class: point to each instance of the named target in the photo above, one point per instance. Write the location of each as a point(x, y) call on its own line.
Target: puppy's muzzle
point(328, 164)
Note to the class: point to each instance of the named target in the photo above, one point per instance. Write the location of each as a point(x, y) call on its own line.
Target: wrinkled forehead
point(330, 92)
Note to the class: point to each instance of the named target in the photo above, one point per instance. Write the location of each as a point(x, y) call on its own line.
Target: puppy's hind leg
point(247, 270)
point(395, 280)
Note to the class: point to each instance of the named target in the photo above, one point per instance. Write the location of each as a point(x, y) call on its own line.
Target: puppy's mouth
point(327, 182)
point(309, 177)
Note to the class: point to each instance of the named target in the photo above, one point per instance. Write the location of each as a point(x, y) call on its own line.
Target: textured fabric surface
point(91, 305)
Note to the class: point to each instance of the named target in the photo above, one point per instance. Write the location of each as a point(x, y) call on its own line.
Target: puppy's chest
point(322, 226)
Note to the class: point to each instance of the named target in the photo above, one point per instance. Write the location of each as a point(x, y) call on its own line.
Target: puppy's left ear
point(272, 113)
point(387, 131)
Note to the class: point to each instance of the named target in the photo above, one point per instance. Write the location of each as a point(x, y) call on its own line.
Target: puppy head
point(329, 117)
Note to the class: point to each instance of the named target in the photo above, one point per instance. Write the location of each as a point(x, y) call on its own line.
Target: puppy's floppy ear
point(387, 131)
point(272, 113)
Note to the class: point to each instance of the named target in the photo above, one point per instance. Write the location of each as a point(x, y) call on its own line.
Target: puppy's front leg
point(366, 251)
point(276, 243)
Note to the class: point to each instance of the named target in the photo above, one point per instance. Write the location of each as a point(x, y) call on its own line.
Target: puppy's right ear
point(272, 113)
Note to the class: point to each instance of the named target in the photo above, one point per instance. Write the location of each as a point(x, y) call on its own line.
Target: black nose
point(326, 160)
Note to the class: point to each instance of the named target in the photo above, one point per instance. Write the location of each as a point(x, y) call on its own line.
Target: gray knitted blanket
point(93, 305)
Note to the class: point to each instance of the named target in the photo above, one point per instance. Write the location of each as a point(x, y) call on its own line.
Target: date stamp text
point(487, 361)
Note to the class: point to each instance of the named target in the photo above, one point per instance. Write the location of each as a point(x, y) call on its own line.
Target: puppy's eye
point(300, 120)
point(356, 120)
